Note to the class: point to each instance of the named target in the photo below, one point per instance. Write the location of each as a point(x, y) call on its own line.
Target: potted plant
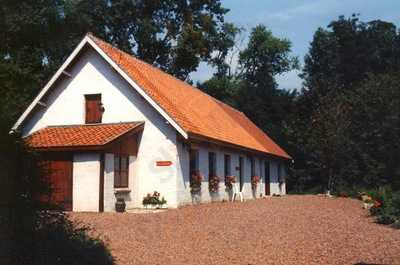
point(229, 180)
point(213, 184)
point(154, 200)
point(195, 182)
point(120, 205)
point(254, 182)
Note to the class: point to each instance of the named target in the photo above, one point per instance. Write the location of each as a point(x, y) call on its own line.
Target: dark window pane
point(211, 164)
point(124, 163)
point(121, 171)
point(227, 165)
point(253, 166)
point(194, 161)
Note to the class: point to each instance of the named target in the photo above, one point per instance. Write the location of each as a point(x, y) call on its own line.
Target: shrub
point(386, 206)
point(154, 199)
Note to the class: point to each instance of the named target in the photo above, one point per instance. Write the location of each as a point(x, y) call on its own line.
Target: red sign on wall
point(163, 163)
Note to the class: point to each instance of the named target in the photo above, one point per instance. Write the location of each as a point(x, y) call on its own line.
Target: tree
point(345, 53)
point(252, 88)
point(331, 128)
point(375, 131)
point(38, 35)
point(265, 57)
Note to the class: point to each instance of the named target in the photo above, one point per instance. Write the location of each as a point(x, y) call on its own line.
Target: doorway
point(241, 172)
point(57, 171)
point(267, 178)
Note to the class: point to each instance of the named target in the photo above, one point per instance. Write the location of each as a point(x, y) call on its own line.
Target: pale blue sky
point(297, 21)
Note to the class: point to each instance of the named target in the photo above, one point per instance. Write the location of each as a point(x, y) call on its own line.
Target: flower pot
point(120, 205)
point(214, 196)
point(195, 190)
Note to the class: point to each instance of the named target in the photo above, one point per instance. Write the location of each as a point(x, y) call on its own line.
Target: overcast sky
point(297, 21)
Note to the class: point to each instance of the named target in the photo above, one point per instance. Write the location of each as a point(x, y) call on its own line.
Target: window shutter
point(93, 108)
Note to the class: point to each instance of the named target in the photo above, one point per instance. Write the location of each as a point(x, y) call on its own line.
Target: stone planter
point(196, 195)
point(214, 196)
point(120, 205)
point(155, 206)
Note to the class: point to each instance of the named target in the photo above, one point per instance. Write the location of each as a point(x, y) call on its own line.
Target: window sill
point(121, 190)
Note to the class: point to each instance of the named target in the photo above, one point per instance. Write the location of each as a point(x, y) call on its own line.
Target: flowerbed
point(384, 204)
point(154, 200)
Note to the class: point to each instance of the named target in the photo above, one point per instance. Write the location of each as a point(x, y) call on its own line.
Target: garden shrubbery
point(386, 206)
point(383, 203)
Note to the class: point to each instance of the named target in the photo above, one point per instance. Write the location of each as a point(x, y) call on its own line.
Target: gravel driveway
point(286, 230)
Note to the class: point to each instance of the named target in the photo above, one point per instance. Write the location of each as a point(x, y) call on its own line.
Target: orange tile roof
point(73, 136)
point(196, 112)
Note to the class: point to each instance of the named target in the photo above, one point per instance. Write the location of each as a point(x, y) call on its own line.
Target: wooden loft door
point(93, 108)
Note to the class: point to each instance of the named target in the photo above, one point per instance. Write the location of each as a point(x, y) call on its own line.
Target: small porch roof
point(78, 137)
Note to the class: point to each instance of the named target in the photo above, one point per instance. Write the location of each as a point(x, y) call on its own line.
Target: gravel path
point(287, 230)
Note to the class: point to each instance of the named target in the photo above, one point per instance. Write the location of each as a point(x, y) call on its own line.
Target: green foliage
point(265, 57)
point(347, 52)
point(154, 199)
point(345, 130)
point(387, 211)
point(59, 241)
point(29, 234)
point(253, 89)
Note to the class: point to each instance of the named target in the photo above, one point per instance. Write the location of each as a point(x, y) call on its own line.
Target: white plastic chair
point(236, 192)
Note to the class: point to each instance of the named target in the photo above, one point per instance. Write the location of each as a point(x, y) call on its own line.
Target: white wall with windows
point(202, 165)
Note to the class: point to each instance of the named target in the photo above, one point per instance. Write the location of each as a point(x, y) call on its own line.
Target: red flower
point(377, 204)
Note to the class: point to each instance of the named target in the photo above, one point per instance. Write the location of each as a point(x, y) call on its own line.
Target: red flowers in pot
point(213, 184)
point(195, 181)
point(254, 181)
point(229, 180)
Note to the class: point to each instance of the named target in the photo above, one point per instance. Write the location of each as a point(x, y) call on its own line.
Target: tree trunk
point(330, 183)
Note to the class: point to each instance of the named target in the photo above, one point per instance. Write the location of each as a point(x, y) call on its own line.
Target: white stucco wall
point(183, 183)
point(85, 182)
point(65, 106)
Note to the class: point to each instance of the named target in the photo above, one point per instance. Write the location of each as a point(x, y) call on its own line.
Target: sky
point(297, 20)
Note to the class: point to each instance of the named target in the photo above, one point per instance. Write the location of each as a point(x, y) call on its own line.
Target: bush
point(30, 233)
point(385, 219)
point(154, 199)
point(386, 205)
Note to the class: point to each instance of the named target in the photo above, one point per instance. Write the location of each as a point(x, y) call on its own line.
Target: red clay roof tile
point(79, 135)
point(196, 112)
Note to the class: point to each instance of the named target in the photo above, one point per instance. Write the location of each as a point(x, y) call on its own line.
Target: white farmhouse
point(110, 126)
